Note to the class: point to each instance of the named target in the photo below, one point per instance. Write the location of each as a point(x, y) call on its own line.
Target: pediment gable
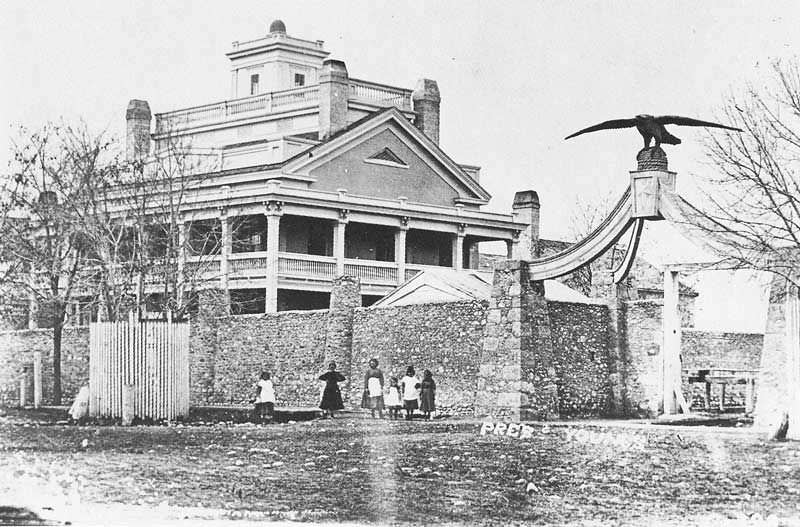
point(386, 156)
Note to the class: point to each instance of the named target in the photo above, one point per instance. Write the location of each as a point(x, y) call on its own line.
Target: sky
point(516, 77)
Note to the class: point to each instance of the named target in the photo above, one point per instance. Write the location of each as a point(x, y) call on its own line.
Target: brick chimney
point(426, 105)
point(526, 210)
point(137, 136)
point(333, 91)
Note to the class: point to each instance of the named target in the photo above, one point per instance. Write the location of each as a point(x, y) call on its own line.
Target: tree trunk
point(58, 327)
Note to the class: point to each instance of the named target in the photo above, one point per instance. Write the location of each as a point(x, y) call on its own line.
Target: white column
point(511, 248)
point(339, 241)
point(671, 348)
point(224, 263)
point(400, 251)
point(273, 214)
point(458, 249)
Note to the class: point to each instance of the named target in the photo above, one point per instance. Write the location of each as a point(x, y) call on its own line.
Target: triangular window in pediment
point(386, 157)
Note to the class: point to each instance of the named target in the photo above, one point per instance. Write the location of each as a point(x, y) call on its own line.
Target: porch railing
point(372, 271)
point(306, 265)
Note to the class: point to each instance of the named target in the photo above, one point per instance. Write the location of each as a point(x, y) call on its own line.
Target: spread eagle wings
point(687, 121)
point(607, 125)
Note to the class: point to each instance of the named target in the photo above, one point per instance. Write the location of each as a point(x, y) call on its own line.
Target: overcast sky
point(515, 77)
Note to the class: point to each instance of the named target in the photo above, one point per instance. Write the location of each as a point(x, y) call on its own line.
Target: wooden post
point(722, 397)
point(23, 390)
point(708, 396)
point(128, 398)
point(671, 348)
point(749, 392)
point(37, 379)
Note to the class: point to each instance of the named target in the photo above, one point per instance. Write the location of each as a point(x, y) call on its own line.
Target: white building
point(324, 175)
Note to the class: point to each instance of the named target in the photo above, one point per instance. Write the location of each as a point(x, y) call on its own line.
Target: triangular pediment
point(385, 156)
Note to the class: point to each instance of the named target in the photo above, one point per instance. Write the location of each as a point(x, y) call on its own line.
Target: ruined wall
point(16, 352)
point(444, 338)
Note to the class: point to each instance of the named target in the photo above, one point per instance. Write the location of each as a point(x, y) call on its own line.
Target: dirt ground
point(355, 469)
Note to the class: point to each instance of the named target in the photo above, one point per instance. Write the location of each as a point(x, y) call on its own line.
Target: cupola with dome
point(275, 62)
point(277, 26)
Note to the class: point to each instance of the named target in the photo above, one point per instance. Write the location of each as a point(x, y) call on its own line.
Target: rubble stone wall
point(717, 349)
point(289, 344)
point(580, 341)
point(443, 338)
point(16, 360)
point(568, 343)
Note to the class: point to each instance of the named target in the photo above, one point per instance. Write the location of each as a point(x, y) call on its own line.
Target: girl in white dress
point(393, 401)
point(265, 398)
point(409, 387)
point(373, 389)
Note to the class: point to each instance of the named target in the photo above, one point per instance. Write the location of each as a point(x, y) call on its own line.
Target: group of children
point(408, 393)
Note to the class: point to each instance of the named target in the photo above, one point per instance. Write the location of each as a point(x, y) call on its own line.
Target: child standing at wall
point(373, 388)
point(265, 398)
point(331, 395)
point(393, 402)
point(427, 394)
point(409, 386)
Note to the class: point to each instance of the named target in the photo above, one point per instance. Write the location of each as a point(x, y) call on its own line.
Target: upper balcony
point(367, 93)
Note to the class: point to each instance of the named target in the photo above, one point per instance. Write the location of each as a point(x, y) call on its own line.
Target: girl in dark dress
point(331, 396)
point(427, 402)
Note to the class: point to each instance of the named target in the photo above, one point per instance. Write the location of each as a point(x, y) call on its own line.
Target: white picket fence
point(139, 369)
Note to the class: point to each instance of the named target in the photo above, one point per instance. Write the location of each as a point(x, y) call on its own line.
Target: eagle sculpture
point(652, 127)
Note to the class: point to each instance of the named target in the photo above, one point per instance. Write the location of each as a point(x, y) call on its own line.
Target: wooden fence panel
point(152, 356)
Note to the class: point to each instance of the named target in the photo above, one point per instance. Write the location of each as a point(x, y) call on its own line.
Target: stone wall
point(516, 372)
point(289, 344)
point(581, 352)
point(640, 337)
point(717, 349)
point(16, 353)
point(517, 354)
point(444, 338)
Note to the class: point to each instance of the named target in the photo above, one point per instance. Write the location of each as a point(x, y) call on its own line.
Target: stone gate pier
point(516, 373)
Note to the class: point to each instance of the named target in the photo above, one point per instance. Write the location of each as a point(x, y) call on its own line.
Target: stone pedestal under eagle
point(652, 127)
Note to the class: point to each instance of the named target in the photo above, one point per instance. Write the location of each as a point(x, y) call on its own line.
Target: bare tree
point(754, 201)
point(150, 253)
point(43, 248)
point(79, 224)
